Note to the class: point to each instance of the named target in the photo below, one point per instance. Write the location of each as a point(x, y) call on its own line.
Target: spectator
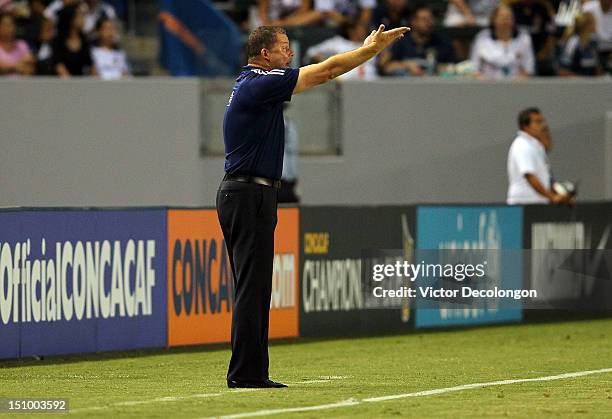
point(602, 10)
point(44, 50)
point(15, 56)
point(354, 32)
point(97, 10)
point(32, 26)
point(20, 9)
point(502, 51)
point(469, 12)
point(391, 13)
point(529, 177)
point(537, 18)
point(71, 52)
point(339, 12)
point(110, 62)
point(16, 7)
point(420, 52)
point(286, 13)
point(580, 57)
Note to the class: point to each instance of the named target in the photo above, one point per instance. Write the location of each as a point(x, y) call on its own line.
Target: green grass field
point(191, 383)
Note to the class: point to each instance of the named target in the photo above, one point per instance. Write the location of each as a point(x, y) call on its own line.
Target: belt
point(253, 179)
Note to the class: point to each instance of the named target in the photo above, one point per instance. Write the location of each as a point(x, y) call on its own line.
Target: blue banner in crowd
point(198, 40)
point(82, 281)
point(479, 229)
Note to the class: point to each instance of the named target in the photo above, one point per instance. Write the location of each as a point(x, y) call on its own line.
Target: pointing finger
point(398, 31)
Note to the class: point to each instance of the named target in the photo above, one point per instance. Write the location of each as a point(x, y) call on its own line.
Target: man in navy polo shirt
point(253, 131)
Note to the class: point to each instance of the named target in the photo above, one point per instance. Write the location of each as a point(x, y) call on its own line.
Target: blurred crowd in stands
point(62, 38)
point(487, 39)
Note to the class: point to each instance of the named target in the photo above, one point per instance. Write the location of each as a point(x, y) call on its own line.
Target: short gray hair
point(262, 37)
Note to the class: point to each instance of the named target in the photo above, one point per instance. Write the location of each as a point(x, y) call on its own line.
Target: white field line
point(321, 379)
point(159, 400)
point(324, 379)
point(354, 402)
point(345, 403)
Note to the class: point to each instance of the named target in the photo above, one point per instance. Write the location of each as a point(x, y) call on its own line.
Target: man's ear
point(265, 53)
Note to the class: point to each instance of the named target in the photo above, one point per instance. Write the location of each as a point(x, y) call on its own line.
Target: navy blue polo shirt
point(253, 127)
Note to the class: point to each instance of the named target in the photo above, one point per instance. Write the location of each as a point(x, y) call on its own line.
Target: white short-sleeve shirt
point(526, 155)
point(110, 64)
point(603, 22)
point(496, 59)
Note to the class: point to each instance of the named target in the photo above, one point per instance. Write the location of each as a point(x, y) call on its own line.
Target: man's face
point(538, 128)
point(423, 22)
point(280, 54)
point(396, 5)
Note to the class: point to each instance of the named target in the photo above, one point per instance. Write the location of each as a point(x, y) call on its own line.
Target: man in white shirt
point(528, 168)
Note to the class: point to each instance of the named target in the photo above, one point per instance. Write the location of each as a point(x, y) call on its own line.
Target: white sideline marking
point(160, 399)
point(308, 382)
point(324, 379)
point(489, 384)
point(349, 402)
point(354, 402)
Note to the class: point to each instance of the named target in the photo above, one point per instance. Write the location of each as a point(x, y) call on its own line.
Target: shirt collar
point(254, 67)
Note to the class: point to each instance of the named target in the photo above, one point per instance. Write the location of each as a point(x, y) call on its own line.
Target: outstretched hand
point(381, 39)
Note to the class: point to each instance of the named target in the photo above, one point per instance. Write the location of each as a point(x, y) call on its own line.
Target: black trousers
point(247, 214)
point(286, 194)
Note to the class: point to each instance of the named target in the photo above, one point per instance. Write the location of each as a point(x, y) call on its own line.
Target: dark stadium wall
point(337, 245)
point(566, 279)
point(137, 142)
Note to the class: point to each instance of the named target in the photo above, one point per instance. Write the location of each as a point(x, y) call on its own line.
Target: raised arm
point(315, 74)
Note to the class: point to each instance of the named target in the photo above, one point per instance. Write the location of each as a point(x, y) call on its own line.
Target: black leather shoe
point(254, 384)
point(274, 384)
